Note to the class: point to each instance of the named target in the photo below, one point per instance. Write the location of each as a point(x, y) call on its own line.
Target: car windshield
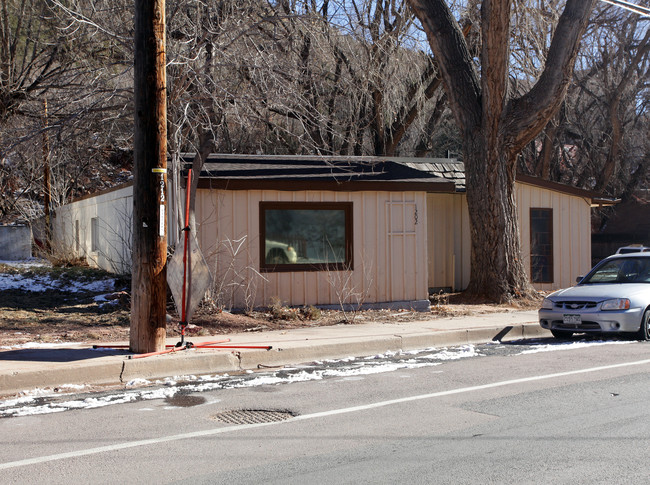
point(630, 250)
point(623, 270)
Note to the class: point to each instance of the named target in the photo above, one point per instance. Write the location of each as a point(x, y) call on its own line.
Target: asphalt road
point(577, 414)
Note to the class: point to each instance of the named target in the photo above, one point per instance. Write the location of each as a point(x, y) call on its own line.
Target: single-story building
point(309, 230)
point(97, 227)
point(15, 242)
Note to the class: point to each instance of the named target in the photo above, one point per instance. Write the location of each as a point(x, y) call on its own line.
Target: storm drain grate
point(252, 416)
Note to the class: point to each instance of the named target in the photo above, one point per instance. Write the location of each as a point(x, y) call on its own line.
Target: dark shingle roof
point(333, 173)
point(300, 172)
point(447, 168)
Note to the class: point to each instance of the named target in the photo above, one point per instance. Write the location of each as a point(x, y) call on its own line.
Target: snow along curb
point(119, 369)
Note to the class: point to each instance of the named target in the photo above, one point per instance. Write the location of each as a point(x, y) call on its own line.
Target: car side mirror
point(579, 279)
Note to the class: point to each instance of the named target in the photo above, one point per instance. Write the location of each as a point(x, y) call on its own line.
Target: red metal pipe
point(188, 189)
point(266, 347)
point(149, 354)
point(204, 343)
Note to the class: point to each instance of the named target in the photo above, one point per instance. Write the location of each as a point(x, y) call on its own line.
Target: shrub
point(279, 311)
point(310, 313)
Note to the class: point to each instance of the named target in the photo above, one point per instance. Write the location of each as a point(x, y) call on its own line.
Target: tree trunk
point(611, 163)
point(47, 178)
point(495, 128)
point(498, 273)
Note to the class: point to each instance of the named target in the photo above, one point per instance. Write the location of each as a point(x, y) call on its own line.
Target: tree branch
point(526, 116)
point(450, 48)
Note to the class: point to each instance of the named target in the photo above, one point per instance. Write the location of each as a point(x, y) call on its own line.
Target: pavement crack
point(238, 356)
point(401, 341)
point(122, 371)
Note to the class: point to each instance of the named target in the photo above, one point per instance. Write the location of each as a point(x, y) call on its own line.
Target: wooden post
point(149, 285)
point(47, 186)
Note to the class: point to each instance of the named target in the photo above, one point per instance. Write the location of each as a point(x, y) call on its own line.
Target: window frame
point(549, 218)
point(282, 267)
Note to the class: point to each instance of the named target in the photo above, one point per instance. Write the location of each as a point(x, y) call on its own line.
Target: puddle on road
point(184, 400)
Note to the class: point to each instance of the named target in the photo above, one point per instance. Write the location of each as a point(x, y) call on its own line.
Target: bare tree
point(496, 127)
point(67, 56)
point(341, 77)
point(610, 100)
point(597, 140)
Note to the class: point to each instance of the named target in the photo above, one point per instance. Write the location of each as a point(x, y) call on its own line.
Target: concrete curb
point(119, 369)
point(94, 373)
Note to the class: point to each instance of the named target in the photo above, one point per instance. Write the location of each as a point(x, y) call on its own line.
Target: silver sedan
point(613, 298)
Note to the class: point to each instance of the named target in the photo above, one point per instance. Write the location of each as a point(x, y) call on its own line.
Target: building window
point(77, 239)
point(94, 234)
point(541, 245)
point(305, 236)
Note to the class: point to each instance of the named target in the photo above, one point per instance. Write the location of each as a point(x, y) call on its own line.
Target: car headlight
point(547, 304)
point(616, 304)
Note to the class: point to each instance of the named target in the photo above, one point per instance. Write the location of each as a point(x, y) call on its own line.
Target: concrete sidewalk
point(25, 369)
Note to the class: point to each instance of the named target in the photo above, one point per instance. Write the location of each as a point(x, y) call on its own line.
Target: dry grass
point(60, 316)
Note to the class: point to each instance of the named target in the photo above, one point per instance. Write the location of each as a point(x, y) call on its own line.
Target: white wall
point(15, 243)
point(72, 232)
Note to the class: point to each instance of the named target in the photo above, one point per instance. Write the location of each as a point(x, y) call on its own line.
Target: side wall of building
point(389, 246)
point(97, 229)
point(450, 242)
point(15, 243)
point(571, 229)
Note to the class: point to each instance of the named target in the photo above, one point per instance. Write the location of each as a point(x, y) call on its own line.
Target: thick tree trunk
point(498, 272)
point(495, 128)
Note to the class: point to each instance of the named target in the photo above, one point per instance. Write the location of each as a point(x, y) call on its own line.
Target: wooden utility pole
point(47, 187)
point(149, 286)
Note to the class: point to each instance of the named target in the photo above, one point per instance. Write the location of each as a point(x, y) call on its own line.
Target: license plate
point(572, 319)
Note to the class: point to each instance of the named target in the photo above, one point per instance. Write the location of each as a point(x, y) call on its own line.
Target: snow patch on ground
point(43, 282)
point(138, 382)
point(571, 345)
point(27, 263)
point(44, 402)
point(40, 283)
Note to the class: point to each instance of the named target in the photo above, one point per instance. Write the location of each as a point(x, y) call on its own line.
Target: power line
point(629, 6)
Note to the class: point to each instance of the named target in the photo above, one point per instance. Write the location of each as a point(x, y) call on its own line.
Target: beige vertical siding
point(394, 234)
point(449, 241)
point(571, 232)
point(389, 246)
point(450, 244)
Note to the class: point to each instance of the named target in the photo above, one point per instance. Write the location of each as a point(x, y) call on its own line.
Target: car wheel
point(644, 330)
point(562, 334)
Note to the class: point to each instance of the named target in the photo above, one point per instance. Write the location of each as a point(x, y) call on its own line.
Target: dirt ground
point(55, 316)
